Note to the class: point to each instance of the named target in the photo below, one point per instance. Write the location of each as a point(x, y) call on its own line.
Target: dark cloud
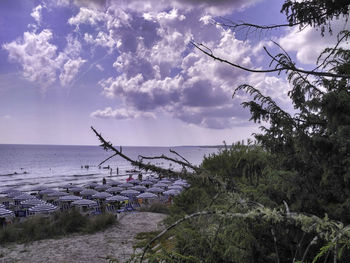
point(202, 93)
point(135, 30)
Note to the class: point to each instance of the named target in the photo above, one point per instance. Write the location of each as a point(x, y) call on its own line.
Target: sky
point(128, 68)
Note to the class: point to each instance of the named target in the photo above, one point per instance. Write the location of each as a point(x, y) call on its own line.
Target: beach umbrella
point(147, 182)
point(171, 192)
point(84, 202)
point(67, 186)
point(4, 212)
point(32, 202)
point(175, 187)
point(126, 185)
point(101, 195)
point(135, 181)
point(9, 190)
point(155, 190)
point(23, 197)
point(43, 208)
point(14, 194)
point(160, 185)
point(102, 187)
point(147, 196)
point(88, 192)
point(117, 198)
point(181, 182)
point(68, 198)
point(165, 181)
point(91, 185)
point(2, 206)
point(112, 182)
point(39, 187)
point(139, 188)
point(76, 189)
point(47, 191)
point(57, 194)
point(129, 192)
point(153, 180)
point(114, 189)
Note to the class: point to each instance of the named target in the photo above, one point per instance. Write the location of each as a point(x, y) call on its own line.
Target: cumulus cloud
point(121, 114)
point(40, 60)
point(36, 55)
point(308, 44)
point(70, 69)
point(157, 70)
point(36, 13)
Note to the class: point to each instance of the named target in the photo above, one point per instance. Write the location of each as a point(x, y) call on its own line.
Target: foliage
point(60, 224)
point(156, 208)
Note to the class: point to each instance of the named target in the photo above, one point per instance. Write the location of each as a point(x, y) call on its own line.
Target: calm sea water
point(25, 166)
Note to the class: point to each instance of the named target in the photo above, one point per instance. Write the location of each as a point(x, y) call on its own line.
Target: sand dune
point(116, 242)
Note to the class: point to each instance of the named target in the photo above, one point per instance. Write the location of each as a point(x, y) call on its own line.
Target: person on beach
point(104, 181)
point(140, 176)
point(130, 178)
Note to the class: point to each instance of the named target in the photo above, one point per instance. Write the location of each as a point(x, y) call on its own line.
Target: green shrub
point(59, 224)
point(156, 208)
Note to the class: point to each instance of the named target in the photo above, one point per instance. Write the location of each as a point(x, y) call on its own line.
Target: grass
point(156, 208)
point(60, 224)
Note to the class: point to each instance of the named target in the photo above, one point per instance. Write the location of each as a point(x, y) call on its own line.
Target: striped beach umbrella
point(101, 195)
point(24, 197)
point(129, 192)
point(43, 208)
point(69, 198)
point(117, 198)
point(147, 196)
point(84, 202)
point(155, 190)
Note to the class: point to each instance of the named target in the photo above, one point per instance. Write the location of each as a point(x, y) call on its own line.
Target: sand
point(116, 242)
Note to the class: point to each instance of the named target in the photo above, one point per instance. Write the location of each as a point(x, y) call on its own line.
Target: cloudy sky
point(128, 68)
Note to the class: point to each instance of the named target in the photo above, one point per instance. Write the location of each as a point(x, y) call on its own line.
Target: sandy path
point(116, 242)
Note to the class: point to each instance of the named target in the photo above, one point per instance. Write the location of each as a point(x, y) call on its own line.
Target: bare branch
point(109, 147)
point(283, 67)
point(110, 157)
point(195, 168)
point(174, 152)
point(313, 241)
point(275, 244)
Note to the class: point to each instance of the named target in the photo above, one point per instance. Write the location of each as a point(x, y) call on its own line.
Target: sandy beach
point(116, 242)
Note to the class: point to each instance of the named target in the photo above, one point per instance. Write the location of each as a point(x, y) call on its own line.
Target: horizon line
point(90, 145)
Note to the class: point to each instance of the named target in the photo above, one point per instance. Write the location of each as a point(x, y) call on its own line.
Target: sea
point(24, 167)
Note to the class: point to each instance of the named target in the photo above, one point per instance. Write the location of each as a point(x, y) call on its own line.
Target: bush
point(60, 224)
point(156, 208)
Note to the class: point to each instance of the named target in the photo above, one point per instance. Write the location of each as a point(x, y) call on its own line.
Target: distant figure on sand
point(140, 176)
point(130, 178)
point(104, 181)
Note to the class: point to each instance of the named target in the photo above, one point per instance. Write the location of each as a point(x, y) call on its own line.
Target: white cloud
point(87, 16)
point(40, 61)
point(36, 13)
point(121, 114)
point(158, 70)
point(36, 55)
point(70, 69)
point(308, 44)
point(99, 67)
